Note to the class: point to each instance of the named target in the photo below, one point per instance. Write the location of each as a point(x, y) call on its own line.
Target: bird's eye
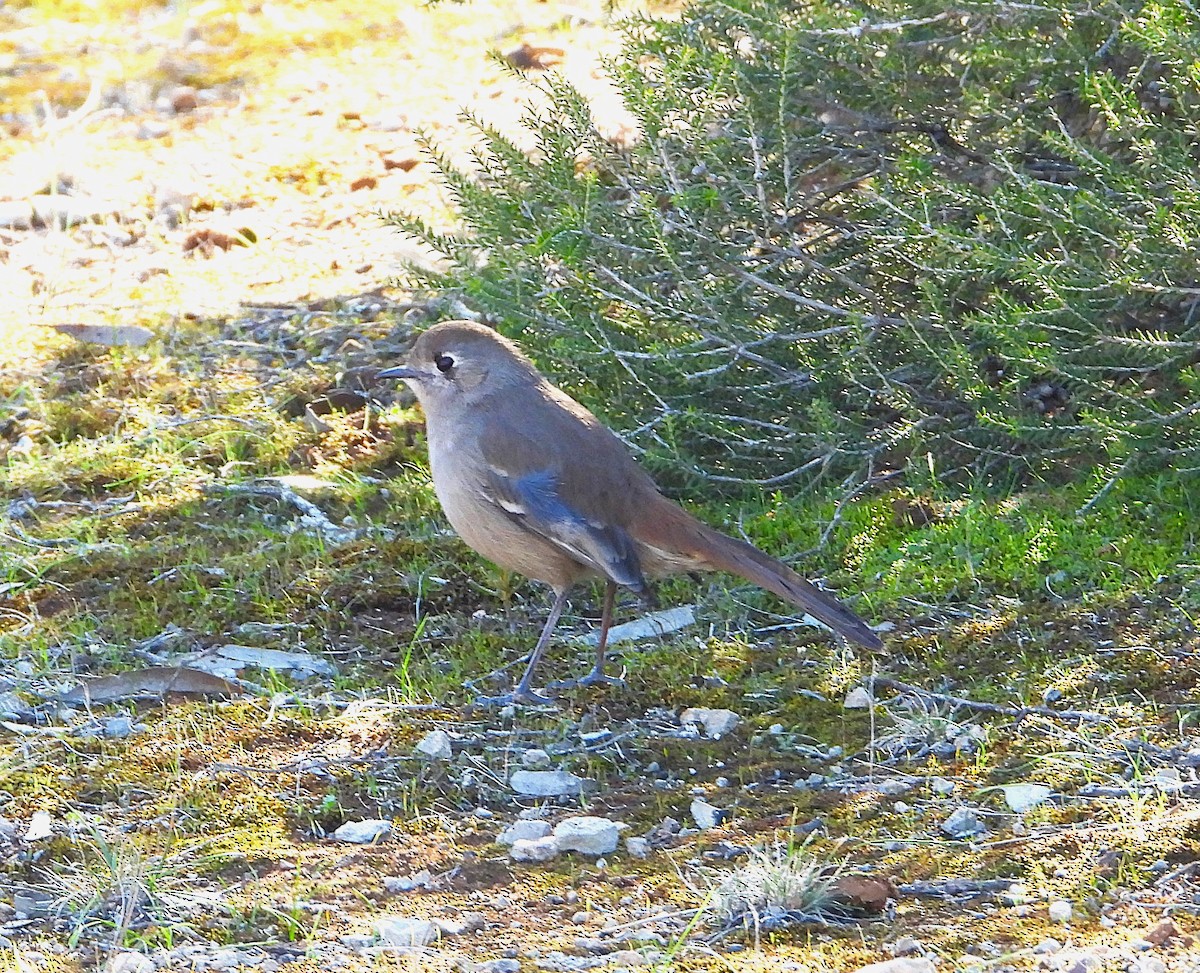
point(444, 363)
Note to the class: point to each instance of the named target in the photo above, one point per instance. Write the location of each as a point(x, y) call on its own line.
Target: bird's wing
point(534, 500)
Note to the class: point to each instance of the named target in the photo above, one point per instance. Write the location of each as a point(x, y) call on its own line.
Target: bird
point(533, 481)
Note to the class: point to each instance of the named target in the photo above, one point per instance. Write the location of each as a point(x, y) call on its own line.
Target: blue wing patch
point(533, 501)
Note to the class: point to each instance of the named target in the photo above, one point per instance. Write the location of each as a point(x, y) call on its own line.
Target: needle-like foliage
point(955, 241)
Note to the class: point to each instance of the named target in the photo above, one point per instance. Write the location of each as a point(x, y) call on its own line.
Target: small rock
point(498, 966)
point(716, 723)
point(775, 729)
point(858, 698)
point(663, 831)
point(129, 963)
point(1047, 947)
point(546, 783)
point(15, 215)
point(963, 823)
point(228, 660)
point(588, 835)
point(637, 847)
point(468, 922)
point(153, 129)
point(41, 825)
point(1025, 797)
point(1162, 932)
point(175, 200)
point(1060, 911)
point(1015, 894)
point(941, 786)
point(906, 946)
point(436, 745)
point(580, 918)
point(654, 625)
point(228, 958)
point(407, 883)
point(403, 932)
point(901, 964)
point(535, 758)
point(8, 829)
point(523, 831)
point(32, 903)
point(1079, 962)
point(184, 99)
point(11, 705)
point(119, 728)
point(706, 815)
point(894, 787)
point(363, 832)
point(534, 850)
point(1169, 780)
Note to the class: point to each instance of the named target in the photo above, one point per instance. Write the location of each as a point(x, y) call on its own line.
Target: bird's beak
point(400, 371)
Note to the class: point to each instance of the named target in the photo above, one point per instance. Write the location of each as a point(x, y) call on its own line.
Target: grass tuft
point(778, 885)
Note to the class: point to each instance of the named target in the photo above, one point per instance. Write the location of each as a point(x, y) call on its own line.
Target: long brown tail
point(738, 557)
point(718, 552)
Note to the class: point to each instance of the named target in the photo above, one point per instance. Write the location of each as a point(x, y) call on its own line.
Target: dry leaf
point(532, 57)
point(404, 165)
point(866, 893)
point(151, 681)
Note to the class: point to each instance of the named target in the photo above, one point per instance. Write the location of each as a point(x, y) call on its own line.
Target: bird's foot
point(518, 697)
point(594, 678)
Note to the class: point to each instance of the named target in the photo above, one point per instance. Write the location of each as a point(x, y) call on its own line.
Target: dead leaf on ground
point(404, 165)
point(867, 893)
point(151, 681)
point(1164, 931)
point(206, 240)
point(112, 335)
point(534, 57)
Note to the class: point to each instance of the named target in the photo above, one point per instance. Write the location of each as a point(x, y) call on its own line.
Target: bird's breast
point(459, 480)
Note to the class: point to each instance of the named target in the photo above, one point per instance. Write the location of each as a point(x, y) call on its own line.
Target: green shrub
point(908, 239)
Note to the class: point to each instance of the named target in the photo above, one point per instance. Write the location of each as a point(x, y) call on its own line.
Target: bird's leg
point(524, 693)
point(597, 674)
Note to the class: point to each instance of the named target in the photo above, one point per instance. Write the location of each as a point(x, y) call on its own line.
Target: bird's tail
point(745, 560)
point(715, 551)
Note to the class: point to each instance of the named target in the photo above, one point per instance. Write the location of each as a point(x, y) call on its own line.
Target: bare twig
point(1016, 712)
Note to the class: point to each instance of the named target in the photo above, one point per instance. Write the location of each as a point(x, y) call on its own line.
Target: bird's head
point(458, 362)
